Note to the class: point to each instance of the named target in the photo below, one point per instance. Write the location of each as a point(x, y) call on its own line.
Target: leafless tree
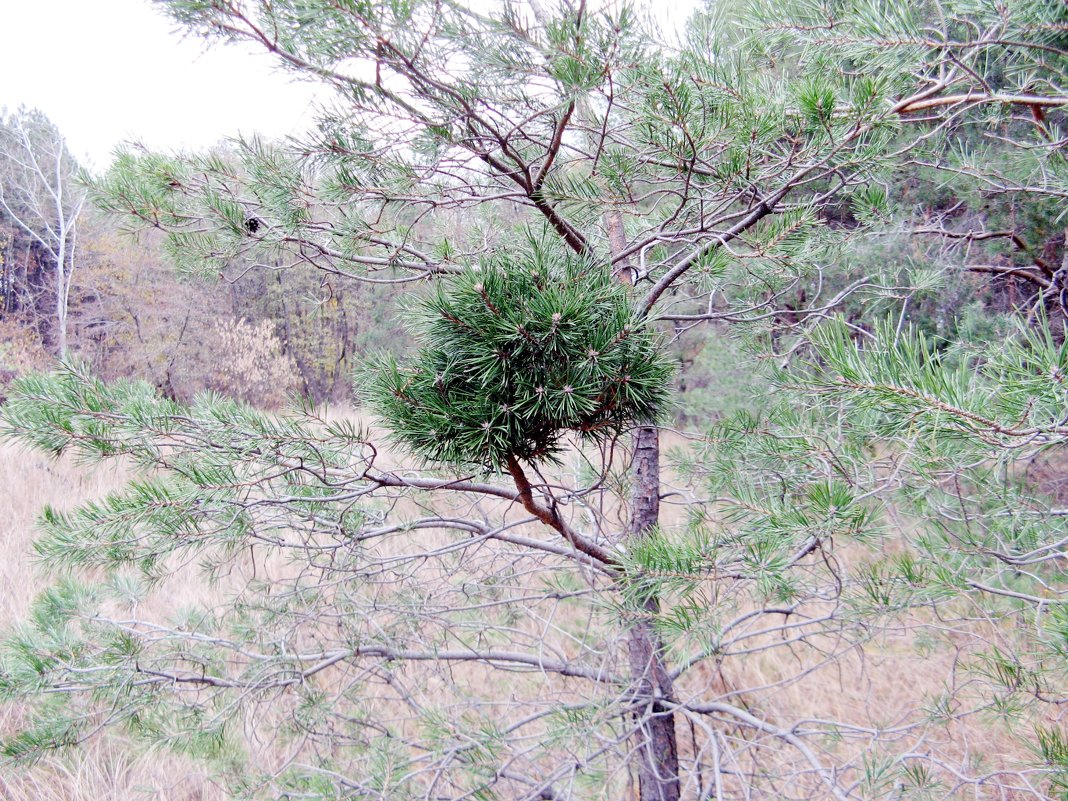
point(40, 194)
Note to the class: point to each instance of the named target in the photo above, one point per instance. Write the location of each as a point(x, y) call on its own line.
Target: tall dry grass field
point(875, 686)
point(109, 768)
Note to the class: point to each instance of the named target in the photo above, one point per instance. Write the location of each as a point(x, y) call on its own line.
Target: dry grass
point(873, 688)
point(109, 767)
point(29, 481)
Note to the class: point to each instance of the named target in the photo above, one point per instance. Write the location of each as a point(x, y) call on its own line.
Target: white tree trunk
point(38, 192)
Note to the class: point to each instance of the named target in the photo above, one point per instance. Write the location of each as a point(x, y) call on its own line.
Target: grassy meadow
point(876, 685)
point(108, 767)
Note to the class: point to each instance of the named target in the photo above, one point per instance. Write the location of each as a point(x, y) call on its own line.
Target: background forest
point(290, 330)
point(129, 313)
point(568, 414)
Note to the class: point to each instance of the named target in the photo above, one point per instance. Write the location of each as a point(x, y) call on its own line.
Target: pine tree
point(410, 632)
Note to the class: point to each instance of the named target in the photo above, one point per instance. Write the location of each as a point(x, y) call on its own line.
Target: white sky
point(107, 71)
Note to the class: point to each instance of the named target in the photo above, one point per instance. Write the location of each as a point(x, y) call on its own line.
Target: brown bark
point(651, 685)
point(658, 758)
point(657, 746)
point(617, 243)
point(551, 518)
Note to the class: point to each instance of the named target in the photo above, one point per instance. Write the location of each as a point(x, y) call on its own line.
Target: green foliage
point(200, 502)
point(1007, 396)
point(516, 354)
point(1052, 747)
point(873, 479)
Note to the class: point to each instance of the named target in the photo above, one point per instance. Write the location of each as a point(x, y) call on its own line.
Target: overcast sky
point(106, 71)
point(109, 70)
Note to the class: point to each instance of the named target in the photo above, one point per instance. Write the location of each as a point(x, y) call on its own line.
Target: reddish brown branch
point(1019, 272)
point(551, 517)
point(978, 236)
point(554, 145)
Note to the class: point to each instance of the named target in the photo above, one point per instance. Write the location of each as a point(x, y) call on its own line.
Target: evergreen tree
point(398, 632)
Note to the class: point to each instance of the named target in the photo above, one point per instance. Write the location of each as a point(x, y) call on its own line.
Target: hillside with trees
point(568, 414)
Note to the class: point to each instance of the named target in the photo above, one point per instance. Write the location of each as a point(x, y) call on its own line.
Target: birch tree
point(40, 194)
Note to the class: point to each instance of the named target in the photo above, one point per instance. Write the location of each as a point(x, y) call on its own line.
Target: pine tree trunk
point(657, 748)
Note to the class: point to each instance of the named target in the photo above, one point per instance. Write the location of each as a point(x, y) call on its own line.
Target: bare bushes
point(21, 352)
point(250, 364)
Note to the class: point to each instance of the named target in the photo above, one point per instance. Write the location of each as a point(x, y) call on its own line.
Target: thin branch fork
point(979, 236)
point(494, 658)
point(588, 553)
point(551, 517)
point(1019, 272)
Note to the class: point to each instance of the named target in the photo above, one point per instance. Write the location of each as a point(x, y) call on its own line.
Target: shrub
point(251, 365)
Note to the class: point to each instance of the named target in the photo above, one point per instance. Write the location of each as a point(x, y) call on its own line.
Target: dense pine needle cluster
point(516, 354)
